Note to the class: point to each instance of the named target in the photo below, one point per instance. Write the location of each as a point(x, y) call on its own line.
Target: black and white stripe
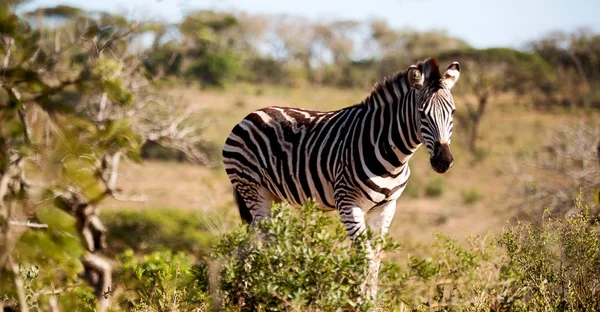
point(354, 160)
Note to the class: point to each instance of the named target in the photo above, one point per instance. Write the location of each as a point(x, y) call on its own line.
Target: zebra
point(353, 160)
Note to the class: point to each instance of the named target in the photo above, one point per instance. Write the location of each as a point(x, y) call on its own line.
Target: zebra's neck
point(394, 127)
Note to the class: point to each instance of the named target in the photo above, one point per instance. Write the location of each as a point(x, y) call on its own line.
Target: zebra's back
point(291, 152)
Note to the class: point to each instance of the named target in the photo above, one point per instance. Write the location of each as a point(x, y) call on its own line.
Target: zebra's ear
point(415, 77)
point(451, 75)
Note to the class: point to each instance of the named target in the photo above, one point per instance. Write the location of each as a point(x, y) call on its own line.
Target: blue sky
point(482, 23)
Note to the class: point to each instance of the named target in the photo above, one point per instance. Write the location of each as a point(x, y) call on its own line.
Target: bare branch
point(138, 198)
point(13, 171)
point(18, 282)
point(9, 43)
point(55, 291)
point(167, 129)
point(98, 273)
point(29, 224)
point(97, 270)
point(566, 164)
point(26, 126)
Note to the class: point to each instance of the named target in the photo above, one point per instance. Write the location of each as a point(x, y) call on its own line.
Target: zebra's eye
point(422, 113)
point(453, 110)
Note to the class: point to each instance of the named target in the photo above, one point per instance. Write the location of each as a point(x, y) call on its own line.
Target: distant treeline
point(218, 48)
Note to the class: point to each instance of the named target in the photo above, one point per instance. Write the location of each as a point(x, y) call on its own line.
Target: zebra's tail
point(244, 210)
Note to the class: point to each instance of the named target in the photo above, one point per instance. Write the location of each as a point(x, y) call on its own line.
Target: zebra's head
point(435, 109)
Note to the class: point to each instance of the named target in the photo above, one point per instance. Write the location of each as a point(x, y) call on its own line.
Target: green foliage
point(435, 187)
point(145, 231)
point(153, 150)
point(302, 259)
point(163, 281)
point(216, 69)
point(266, 70)
point(522, 69)
point(165, 60)
point(556, 263)
point(297, 260)
point(449, 278)
point(59, 11)
point(358, 74)
point(471, 196)
point(54, 266)
point(204, 26)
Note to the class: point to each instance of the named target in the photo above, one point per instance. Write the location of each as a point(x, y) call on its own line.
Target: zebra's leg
point(353, 219)
point(254, 201)
point(379, 219)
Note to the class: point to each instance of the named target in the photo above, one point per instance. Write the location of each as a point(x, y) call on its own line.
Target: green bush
point(556, 263)
point(450, 277)
point(163, 281)
point(471, 196)
point(153, 150)
point(435, 187)
point(301, 260)
point(266, 70)
point(166, 60)
point(553, 266)
point(216, 69)
point(150, 230)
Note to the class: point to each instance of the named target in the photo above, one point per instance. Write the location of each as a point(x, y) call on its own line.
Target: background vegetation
point(98, 112)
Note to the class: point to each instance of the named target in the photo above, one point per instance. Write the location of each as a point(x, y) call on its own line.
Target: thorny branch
point(569, 162)
point(97, 270)
point(10, 184)
point(171, 129)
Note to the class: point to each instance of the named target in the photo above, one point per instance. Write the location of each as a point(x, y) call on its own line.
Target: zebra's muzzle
point(442, 160)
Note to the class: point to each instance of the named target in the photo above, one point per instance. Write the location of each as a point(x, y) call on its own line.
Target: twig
point(29, 224)
point(26, 127)
point(18, 282)
point(56, 291)
point(120, 197)
point(9, 44)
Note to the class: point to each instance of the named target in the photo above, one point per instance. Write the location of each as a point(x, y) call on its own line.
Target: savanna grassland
point(473, 198)
point(113, 196)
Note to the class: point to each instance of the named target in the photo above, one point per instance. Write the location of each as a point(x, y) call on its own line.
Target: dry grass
point(507, 130)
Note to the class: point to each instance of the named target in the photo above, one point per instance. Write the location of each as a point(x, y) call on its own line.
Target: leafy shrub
point(153, 150)
point(54, 259)
point(152, 230)
point(266, 70)
point(166, 60)
point(471, 196)
point(435, 187)
point(163, 281)
point(557, 263)
point(449, 278)
point(300, 260)
point(216, 69)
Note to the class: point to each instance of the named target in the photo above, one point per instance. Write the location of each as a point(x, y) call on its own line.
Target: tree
point(576, 57)
point(209, 40)
point(69, 115)
point(491, 72)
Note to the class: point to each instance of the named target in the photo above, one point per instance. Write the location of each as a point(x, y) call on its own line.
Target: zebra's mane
point(429, 67)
